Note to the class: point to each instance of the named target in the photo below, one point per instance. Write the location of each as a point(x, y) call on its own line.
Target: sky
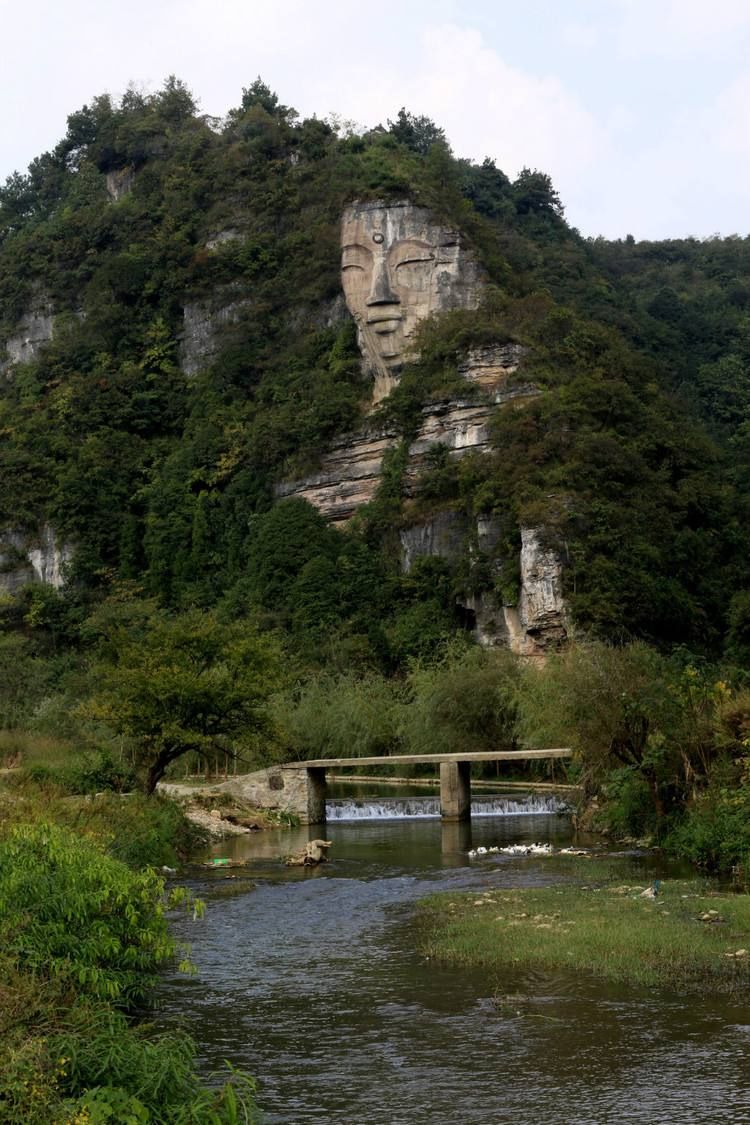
point(639, 110)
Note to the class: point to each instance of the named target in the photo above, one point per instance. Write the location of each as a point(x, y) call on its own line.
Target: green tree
point(174, 684)
point(417, 133)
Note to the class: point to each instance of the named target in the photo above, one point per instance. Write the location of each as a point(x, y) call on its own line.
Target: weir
point(343, 810)
point(455, 776)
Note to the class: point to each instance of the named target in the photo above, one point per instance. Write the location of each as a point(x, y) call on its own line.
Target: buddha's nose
point(380, 291)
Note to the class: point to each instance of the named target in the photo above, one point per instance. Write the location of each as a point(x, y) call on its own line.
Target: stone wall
point(277, 788)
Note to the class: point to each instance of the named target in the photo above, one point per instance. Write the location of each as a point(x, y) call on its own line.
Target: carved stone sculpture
point(398, 266)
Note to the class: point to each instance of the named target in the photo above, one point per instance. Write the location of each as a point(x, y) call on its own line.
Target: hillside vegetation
point(201, 621)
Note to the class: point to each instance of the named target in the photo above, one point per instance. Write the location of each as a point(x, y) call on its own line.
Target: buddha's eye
point(414, 272)
point(355, 258)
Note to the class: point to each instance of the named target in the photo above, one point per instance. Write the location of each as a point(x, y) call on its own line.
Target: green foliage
point(466, 699)
point(23, 678)
point(82, 937)
point(77, 916)
point(714, 831)
point(417, 133)
point(339, 716)
point(634, 719)
point(175, 684)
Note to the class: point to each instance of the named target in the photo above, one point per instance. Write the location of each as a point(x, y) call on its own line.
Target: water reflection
point(455, 842)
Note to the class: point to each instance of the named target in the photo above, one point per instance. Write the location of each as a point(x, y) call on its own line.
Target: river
point(311, 980)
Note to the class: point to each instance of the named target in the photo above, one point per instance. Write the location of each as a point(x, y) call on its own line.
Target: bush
point(81, 937)
point(86, 1063)
point(339, 717)
point(629, 808)
point(466, 700)
point(70, 913)
point(714, 832)
point(101, 773)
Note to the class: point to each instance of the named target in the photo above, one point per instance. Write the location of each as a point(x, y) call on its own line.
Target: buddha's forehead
point(378, 223)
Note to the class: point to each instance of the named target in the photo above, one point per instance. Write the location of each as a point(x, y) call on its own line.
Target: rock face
point(348, 476)
point(444, 537)
point(491, 369)
point(349, 472)
point(541, 609)
point(399, 265)
point(533, 626)
point(34, 330)
point(231, 234)
point(120, 182)
point(204, 324)
point(33, 558)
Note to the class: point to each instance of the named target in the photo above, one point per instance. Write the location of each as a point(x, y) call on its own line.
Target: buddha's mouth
point(384, 321)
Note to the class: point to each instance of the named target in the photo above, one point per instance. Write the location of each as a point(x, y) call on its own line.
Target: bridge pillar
point(455, 790)
point(316, 795)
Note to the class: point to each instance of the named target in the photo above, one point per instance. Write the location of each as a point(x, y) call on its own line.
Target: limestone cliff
point(34, 330)
point(27, 557)
point(399, 266)
point(531, 626)
point(349, 471)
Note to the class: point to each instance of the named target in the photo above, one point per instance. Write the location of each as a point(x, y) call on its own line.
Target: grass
point(26, 748)
point(605, 930)
point(136, 829)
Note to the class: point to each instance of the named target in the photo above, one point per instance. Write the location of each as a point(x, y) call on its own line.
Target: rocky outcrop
point(492, 368)
point(204, 331)
point(348, 476)
point(537, 623)
point(120, 182)
point(349, 472)
point(231, 234)
point(33, 331)
point(541, 608)
point(443, 536)
point(26, 558)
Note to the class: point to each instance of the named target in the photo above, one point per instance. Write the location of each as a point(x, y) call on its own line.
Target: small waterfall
point(399, 808)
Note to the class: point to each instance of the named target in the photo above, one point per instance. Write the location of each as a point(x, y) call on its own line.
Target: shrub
point(70, 913)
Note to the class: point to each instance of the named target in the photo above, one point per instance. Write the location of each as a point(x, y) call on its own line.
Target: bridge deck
point(426, 759)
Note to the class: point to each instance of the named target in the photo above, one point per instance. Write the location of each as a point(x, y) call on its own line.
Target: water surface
point(311, 980)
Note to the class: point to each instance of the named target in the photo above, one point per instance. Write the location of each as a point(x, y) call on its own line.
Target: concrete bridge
point(455, 777)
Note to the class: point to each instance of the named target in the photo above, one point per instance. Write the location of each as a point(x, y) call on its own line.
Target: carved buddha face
point(398, 265)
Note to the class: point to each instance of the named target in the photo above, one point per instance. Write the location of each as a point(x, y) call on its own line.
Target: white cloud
point(492, 100)
point(692, 181)
point(486, 106)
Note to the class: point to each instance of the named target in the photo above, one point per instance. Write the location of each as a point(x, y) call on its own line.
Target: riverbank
point(687, 937)
point(84, 935)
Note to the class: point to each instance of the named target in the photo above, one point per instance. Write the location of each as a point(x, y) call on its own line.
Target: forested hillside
point(175, 345)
